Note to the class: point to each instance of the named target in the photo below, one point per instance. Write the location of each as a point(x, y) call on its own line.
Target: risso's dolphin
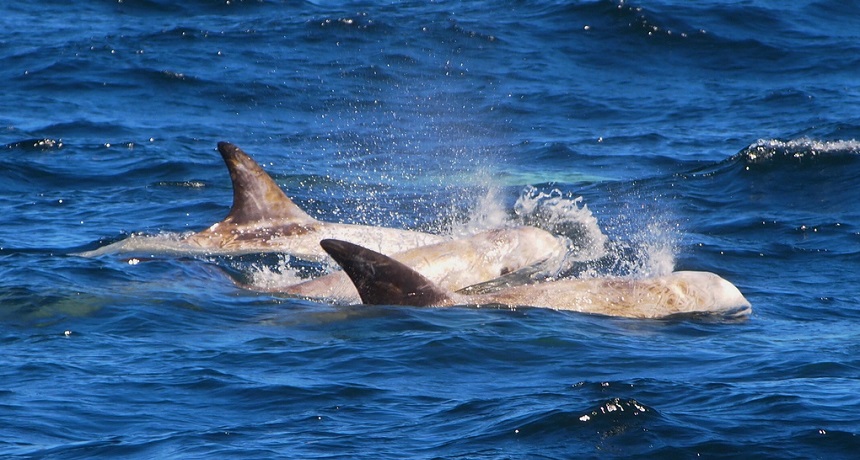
point(264, 219)
point(455, 264)
point(381, 280)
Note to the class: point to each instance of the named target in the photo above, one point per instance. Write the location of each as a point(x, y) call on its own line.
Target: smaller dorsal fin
point(256, 196)
point(381, 280)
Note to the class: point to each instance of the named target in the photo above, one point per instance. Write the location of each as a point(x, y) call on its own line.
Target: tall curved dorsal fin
point(256, 196)
point(381, 280)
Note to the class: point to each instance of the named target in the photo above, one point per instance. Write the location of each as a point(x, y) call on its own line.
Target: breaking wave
point(797, 152)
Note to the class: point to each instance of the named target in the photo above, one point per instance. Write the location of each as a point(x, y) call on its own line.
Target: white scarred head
point(715, 294)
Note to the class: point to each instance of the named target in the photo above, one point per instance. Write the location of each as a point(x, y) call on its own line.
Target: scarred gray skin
point(381, 280)
point(453, 264)
point(264, 219)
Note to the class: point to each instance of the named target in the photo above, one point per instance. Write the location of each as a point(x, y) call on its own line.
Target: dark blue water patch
point(806, 172)
point(72, 133)
point(645, 21)
point(197, 8)
point(54, 290)
point(623, 31)
point(553, 432)
point(831, 13)
point(695, 92)
point(353, 27)
point(815, 180)
point(67, 170)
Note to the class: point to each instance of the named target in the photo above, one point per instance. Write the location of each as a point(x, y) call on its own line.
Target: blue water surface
point(713, 135)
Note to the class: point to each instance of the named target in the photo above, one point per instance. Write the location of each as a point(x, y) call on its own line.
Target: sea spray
point(270, 278)
point(486, 213)
point(564, 215)
point(643, 243)
point(656, 247)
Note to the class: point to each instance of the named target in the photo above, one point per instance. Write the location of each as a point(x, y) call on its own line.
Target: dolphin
point(263, 219)
point(381, 280)
point(456, 264)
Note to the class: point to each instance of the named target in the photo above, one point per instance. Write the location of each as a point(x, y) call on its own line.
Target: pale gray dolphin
point(381, 280)
point(264, 219)
point(454, 264)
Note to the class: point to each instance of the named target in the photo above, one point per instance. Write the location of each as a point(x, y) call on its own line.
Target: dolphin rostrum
point(264, 219)
point(455, 264)
point(381, 280)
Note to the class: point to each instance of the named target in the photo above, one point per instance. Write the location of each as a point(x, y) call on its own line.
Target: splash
point(643, 243)
point(655, 249)
point(615, 408)
point(487, 212)
point(564, 215)
point(641, 249)
point(646, 246)
point(264, 277)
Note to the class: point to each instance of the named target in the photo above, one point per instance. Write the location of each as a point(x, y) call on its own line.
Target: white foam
point(566, 215)
point(804, 147)
point(278, 278)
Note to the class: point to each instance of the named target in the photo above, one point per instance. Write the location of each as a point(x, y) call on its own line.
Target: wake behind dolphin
point(263, 219)
point(381, 280)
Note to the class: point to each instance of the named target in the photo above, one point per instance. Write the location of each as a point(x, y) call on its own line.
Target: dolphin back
point(381, 280)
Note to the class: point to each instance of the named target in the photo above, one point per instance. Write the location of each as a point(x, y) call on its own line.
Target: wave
point(804, 151)
point(794, 198)
point(827, 159)
point(608, 418)
point(51, 137)
point(818, 176)
point(722, 37)
point(361, 21)
point(556, 430)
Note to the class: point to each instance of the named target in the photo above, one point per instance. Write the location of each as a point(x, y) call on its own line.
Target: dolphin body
point(263, 219)
point(381, 280)
point(455, 264)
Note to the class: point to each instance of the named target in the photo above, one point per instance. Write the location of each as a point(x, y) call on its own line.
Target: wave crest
point(775, 151)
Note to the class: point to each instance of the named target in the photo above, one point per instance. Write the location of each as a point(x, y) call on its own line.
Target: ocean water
point(713, 135)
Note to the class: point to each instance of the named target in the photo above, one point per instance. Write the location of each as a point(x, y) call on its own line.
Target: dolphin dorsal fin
point(256, 196)
point(381, 280)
